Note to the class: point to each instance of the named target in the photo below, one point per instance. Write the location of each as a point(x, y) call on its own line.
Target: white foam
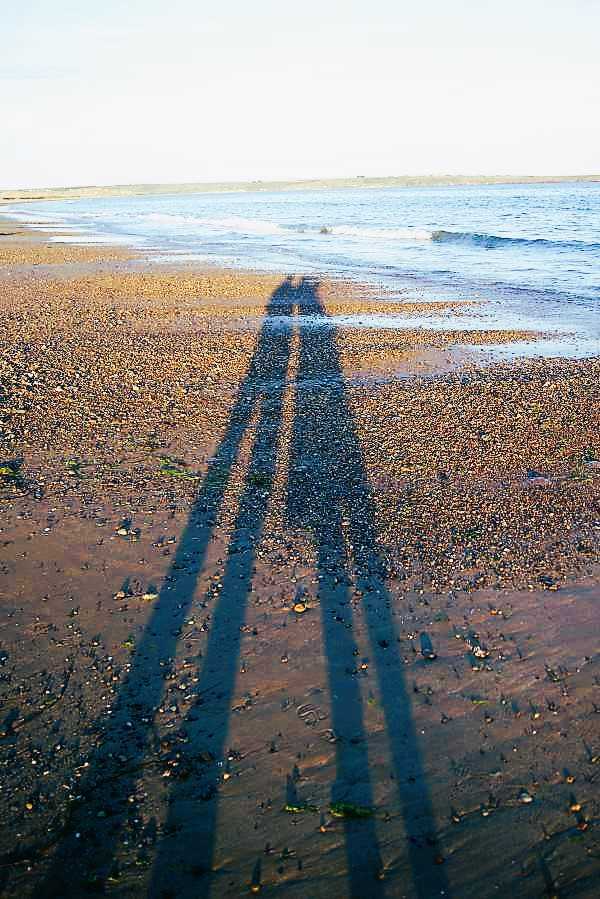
point(232, 223)
point(384, 233)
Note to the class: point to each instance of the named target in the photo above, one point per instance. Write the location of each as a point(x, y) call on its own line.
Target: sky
point(114, 92)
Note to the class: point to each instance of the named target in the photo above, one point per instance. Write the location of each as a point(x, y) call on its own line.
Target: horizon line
point(259, 184)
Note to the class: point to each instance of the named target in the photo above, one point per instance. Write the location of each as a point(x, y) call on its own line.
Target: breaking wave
point(232, 223)
point(494, 240)
point(235, 224)
point(382, 233)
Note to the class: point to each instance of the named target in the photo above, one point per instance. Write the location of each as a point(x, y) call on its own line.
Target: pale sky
point(121, 91)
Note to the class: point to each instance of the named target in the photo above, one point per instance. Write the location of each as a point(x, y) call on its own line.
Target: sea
point(526, 255)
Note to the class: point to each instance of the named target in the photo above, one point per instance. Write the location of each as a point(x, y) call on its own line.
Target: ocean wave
point(494, 240)
point(260, 226)
point(382, 233)
point(477, 239)
point(183, 225)
point(232, 223)
point(474, 238)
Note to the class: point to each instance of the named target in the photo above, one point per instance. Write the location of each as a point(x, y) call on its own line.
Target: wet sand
point(298, 610)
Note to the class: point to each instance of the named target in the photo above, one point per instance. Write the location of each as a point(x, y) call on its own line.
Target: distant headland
point(360, 181)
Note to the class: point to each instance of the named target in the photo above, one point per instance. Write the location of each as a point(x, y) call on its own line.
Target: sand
point(308, 611)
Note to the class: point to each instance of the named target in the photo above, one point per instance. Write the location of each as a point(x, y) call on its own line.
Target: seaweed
point(299, 808)
point(11, 474)
point(350, 810)
point(176, 468)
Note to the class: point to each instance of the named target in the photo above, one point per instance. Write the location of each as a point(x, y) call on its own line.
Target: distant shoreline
point(130, 190)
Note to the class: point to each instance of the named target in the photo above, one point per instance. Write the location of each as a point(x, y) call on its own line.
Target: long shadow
point(317, 499)
point(221, 657)
point(90, 844)
point(329, 494)
point(220, 663)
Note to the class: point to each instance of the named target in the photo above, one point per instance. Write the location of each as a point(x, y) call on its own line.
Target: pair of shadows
point(328, 495)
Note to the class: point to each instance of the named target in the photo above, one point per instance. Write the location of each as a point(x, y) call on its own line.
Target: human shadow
point(317, 500)
point(363, 861)
point(221, 658)
point(330, 496)
point(85, 856)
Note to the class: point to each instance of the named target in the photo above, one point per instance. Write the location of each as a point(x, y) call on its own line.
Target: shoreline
point(34, 194)
point(381, 306)
point(502, 304)
point(226, 539)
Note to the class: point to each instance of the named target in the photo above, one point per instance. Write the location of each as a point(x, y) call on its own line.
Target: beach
point(291, 605)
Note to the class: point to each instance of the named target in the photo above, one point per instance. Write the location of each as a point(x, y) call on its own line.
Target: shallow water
point(531, 253)
point(560, 345)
